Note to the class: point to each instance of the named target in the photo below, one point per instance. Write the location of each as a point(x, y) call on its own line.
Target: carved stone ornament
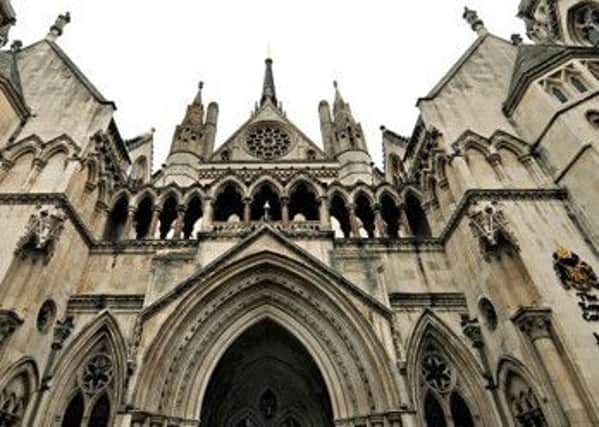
point(437, 372)
point(490, 226)
point(62, 330)
point(9, 322)
point(42, 233)
point(574, 272)
point(471, 329)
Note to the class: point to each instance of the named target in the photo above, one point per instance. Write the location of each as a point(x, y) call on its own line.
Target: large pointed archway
point(266, 378)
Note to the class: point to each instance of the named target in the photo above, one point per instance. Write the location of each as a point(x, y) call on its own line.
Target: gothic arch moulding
point(536, 397)
point(18, 385)
point(356, 367)
point(99, 345)
point(434, 340)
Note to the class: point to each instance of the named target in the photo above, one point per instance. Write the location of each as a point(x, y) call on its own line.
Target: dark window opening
point(433, 412)
point(117, 220)
point(559, 94)
point(391, 216)
point(340, 214)
point(229, 205)
point(365, 216)
point(100, 415)
point(143, 218)
point(460, 412)
point(417, 218)
point(74, 412)
point(192, 216)
point(578, 84)
point(258, 207)
point(168, 216)
point(302, 201)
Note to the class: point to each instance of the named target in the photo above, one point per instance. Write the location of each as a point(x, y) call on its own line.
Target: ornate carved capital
point(490, 226)
point(62, 330)
point(534, 322)
point(471, 328)
point(9, 322)
point(42, 233)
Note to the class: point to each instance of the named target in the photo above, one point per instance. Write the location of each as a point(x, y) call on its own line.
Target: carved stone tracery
point(9, 322)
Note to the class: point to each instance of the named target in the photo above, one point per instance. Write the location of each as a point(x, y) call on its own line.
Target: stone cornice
point(444, 300)
point(95, 303)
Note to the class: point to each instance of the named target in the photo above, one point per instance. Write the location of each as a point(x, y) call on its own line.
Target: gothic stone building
point(271, 281)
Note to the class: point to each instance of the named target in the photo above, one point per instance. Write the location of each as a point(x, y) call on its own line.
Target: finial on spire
point(516, 39)
point(268, 88)
point(477, 24)
point(198, 98)
point(57, 29)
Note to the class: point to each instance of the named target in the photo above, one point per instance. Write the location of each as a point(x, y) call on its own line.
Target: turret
point(347, 141)
point(193, 140)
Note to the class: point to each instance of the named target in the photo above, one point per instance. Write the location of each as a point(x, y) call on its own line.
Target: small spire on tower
point(57, 29)
point(198, 98)
point(268, 89)
point(477, 24)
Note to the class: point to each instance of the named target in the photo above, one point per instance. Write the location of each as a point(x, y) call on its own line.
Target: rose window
point(268, 142)
point(585, 21)
point(437, 373)
point(96, 374)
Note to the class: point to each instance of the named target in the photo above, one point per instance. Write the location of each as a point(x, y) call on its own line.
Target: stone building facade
point(270, 281)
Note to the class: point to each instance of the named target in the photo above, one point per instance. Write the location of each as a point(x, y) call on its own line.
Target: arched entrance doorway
point(266, 379)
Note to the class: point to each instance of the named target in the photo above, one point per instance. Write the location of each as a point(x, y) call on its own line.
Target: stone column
point(380, 228)
point(353, 223)
point(495, 161)
point(463, 172)
point(4, 169)
point(404, 225)
point(325, 217)
point(285, 210)
point(247, 210)
point(36, 167)
point(535, 324)
point(129, 229)
point(208, 214)
point(534, 170)
point(179, 221)
point(471, 328)
point(154, 223)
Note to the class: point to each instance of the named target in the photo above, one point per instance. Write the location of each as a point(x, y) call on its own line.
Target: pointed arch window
point(441, 385)
point(117, 220)
point(523, 403)
point(15, 396)
point(559, 94)
point(93, 385)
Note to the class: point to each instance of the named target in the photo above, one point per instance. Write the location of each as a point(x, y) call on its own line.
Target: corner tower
point(343, 139)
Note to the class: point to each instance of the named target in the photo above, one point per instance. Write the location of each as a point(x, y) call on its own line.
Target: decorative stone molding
point(534, 322)
point(490, 226)
point(441, 300)
point(95, 303)
point(42, 233)
point(9, 322)
point(62, 331)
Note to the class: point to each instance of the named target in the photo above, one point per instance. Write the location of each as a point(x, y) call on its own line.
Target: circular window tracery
point(96, 374)
point(437, 372)
point(584, 21)
point(268, 142)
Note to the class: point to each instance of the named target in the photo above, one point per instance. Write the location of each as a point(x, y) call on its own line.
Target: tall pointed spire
point(198, 98)
point(268, 89)
point(339, 103)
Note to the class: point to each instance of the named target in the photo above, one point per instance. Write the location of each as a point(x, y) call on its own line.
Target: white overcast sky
point(148, 55)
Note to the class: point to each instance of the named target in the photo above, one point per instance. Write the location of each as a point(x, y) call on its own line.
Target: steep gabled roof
point(534, 60)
